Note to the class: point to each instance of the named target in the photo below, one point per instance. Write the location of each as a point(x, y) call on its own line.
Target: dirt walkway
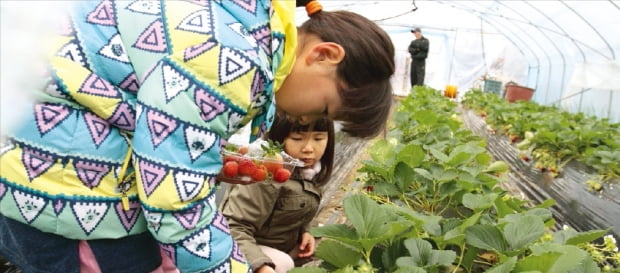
point(349, 154)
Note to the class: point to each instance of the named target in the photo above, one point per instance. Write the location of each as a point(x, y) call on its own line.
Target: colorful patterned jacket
point(175, 79)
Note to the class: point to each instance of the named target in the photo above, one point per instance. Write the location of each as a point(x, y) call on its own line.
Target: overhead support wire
point(522, 19)
point(415, 7)
point(611, 50)
point(583, 56)
point(456, 34)
point(492, 20)
point(564, 32)
point(484, 57)
point(553, 43)
point(535, 42)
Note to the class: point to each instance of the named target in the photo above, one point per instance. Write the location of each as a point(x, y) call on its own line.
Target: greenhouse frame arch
point(566, 50)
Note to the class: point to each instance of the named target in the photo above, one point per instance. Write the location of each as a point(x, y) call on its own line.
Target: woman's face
point(308, 147)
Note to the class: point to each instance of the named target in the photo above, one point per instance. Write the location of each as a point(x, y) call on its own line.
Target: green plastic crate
point(492, 86)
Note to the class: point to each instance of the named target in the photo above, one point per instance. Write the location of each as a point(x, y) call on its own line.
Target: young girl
point(165, 84)
point(270, 220)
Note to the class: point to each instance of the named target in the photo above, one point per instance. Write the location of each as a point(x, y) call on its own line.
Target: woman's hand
point(306, 247)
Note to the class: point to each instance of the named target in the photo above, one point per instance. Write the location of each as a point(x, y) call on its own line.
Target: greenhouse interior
point(565, 50)
point(467, 180)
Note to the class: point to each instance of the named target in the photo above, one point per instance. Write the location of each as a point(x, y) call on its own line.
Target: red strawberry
point(230, 158)
point(260, 174)
point(273, 163)
point(246, 167)
point(230, 169)
point(281, 175)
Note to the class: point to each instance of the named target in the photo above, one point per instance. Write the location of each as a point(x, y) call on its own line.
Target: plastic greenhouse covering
point(566, 50)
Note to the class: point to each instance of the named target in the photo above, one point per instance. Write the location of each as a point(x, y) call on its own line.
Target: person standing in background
point(419, 51)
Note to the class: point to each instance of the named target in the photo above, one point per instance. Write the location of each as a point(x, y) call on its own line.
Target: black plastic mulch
point(576, 206)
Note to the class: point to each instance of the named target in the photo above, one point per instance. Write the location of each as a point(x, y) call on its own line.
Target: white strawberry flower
point(610, 243)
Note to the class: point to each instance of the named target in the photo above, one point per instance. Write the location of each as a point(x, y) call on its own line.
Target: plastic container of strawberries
point(248, 165)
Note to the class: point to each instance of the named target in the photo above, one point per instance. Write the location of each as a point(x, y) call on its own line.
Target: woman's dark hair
point(365, 71)
point(282, 127)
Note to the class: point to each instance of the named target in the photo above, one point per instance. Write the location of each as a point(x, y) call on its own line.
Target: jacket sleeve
point(412, 48)
point(95, 93)
point(247, 208)
point(89, 74)
point(309, 225)
point(422, 45)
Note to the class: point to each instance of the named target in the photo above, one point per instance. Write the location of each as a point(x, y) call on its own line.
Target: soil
point(349, 154)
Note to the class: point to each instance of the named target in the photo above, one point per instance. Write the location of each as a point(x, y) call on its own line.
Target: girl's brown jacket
point(271, 214)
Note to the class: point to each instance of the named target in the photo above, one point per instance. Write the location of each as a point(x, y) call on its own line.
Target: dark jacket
point(419, 49)
point(270, 214)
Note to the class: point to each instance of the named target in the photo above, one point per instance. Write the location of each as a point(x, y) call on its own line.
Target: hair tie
point(313, 7)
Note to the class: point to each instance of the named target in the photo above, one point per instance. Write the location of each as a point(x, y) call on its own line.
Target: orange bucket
point(516, 92)
point(451, 91)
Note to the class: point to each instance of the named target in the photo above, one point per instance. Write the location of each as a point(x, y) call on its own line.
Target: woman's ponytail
point(312, 7)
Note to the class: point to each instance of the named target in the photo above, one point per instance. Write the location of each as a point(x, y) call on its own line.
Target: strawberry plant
point(557, 137)
point(434, 204)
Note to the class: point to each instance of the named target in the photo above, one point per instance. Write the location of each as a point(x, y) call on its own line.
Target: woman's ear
point(326, 52)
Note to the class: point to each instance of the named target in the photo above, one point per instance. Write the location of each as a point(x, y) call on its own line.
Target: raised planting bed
point(576, 204)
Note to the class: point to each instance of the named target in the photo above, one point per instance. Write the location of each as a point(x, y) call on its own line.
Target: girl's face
point(307, 96)
point(310, 91)
point(308, 147)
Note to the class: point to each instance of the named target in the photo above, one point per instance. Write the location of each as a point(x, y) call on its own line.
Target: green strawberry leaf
point(337, 254)
point(486, 237)
point(505, 267)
